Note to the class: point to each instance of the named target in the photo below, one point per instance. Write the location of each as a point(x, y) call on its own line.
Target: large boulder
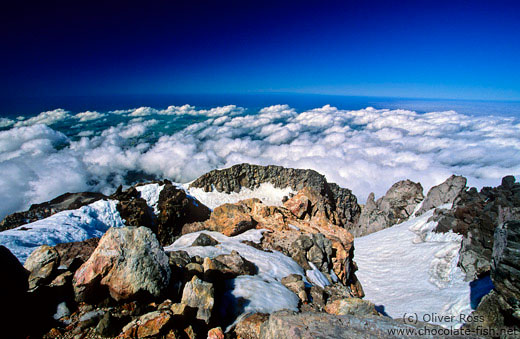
point(291, 325)
point(395, 206)
point(228, 219)
point(444, 193)
point(339, 200)
point(42, 263)
point(129, 262)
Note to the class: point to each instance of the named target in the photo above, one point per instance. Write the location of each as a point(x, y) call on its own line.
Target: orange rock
point(216, 333)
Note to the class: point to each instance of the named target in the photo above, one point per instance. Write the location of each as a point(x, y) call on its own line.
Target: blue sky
point(424, 49)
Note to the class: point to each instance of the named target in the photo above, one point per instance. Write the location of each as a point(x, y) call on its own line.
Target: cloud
point(4, 122)
point(47, 118)
point(365, 150)
point(89, 115)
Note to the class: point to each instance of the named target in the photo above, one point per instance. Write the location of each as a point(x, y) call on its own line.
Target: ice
point(407, 268)
point(266, 192)
point(151, 193)
point(74, 225)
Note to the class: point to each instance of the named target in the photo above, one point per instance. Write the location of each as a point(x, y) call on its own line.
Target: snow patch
point(316, 277)
point(266, 192)
point(151, 193)
point(407, 268)
point(87, 222)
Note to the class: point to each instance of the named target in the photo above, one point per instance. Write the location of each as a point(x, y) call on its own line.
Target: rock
point(136, 212)
point(109, 325)
point(149, 325)
point(444, 193)
point(179, 258)
point(250, 326)
point(505, 271)
point(128, 261)
point(309, 325)
point(236, 265)
point(395, 206)
point(42, 263)
point(67, 201)
point(295, 284)
point(228, 219)
point(216, 333)
point(204, 240)
point(476, 215)
point(340, 201)
point(175, 210)
point(73, 254)
point(351, 306)
point(13, 293)
point(199, 294)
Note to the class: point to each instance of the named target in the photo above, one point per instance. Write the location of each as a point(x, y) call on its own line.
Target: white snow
point(316, 277)
point(74, 225)
point(263, 291)
point(151, 193)
point(408, 269)
point(266, 192)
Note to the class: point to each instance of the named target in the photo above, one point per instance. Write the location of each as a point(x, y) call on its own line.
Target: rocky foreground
point(176, 269)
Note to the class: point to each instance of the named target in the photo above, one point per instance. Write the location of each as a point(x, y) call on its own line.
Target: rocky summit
point(170, 267)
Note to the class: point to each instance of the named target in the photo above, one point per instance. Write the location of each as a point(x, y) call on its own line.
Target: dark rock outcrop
point(394, 207)
point(67, 201)
point(340, 200)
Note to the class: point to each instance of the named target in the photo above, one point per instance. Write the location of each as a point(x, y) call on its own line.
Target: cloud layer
point(365, 150)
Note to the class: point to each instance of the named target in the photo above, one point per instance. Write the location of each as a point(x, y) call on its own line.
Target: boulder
point(129, 262)
point(444, 193)
point(351, 306)
point(395, 206)
point(42, 263)
point(216, 333)
point(73, 254)
point(228, 219)
point(236, 265)
point(250, 326)
point(204, 240)
point(295, 284)
point(148, 325)
point(199, 294)
point(309, 325)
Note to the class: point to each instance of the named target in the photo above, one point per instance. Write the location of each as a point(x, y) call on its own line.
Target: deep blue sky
point(429, 49)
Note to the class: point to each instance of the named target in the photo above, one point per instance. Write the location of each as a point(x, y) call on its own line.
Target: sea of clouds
point(365, 150)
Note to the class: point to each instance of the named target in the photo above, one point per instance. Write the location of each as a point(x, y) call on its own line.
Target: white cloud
point(89, 115)
point(47, 118)
point(365, 150)
point(4, 122)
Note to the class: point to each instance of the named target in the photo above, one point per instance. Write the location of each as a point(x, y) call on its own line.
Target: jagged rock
point(228, 219)
point(444, 193)
point(204, 240)
point(73, 254)
point(341, 201)
point(128, 261)
point(505, 271)
point(149, 325)
point(309, 325)
point(216, 333)
point(351, 306)
point(394, 207)
point(175, 210)
point(134, 210)
point(476, 215)
point(294, 283)
point(179, 258)
point(250, 326)
point(42, 264)
point(199, 294)
point(67, 201)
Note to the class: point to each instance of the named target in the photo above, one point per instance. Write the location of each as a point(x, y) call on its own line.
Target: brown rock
point(294, 282)
point(353, 306)
point(228, 219)
point(148, 325)
point(216, 333)
point(42, 264)
point(250, 326)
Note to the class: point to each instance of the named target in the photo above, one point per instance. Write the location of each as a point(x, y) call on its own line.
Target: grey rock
point(395, 206)
point(42, 263)
point(444, 193)
point(204, 240)
point(201, 295)
point(311, 325)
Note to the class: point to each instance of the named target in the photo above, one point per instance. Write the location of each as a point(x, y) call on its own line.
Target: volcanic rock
point(394, 207)
point(128, 261)
point(444, 193)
